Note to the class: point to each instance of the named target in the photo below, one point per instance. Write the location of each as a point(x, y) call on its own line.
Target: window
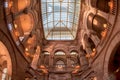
point(46, 53)
point(73, 53)
point(60, 19)
point(59, 53)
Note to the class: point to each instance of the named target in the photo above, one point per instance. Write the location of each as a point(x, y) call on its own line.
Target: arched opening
point(97, 24)
point(73, 52)
point(114, 64)
point(46, 58)
point(60, 65)
point(92, 47)
point(91, 43)
point(46, 53)
point(73, 62)
point(101, 5)
point(5, 63)
point(74, 58)
point(59, 53)
point(89, 46)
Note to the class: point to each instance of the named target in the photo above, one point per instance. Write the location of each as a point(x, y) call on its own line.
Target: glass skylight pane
point(56, 1)
point(70, 25)
point(63, 16)
point(50, 17)
point(64, 7)
point(44, 0)
point(49, 0)
point(50, 25)
point(76, 19)
point(44, 17)
point(56, 16)
point(71, 7)
point(78, 1)
point(77, 7)
point(72, 0)
point(43, 8)
point(56, 7)
point(45, 21)
point(60, 18)
point(49, 7)
point(65, 0)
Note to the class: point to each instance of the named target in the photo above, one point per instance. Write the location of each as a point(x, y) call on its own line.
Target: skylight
point(60, 19)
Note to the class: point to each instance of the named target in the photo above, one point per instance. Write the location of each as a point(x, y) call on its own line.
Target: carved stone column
point(51, 57)
point(83, 60)
point(95, 39)
point(88, 50)
point(87, 45)
point(36, 58)
point(92, 34)
point(68, 61)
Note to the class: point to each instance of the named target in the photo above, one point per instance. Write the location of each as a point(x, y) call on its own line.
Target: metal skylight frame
point(60, 19)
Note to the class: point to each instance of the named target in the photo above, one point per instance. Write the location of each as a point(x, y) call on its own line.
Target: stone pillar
point(68, 61)
point(88, 48)
point(83, 60)
point(51, 57)
point(36, 58)
point(95, 39)
point(93, 35)
point(89, 51)
point(87, 45)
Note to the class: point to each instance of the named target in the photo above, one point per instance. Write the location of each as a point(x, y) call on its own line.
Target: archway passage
point(5, 63)
point(114, 66)
point(92, 43)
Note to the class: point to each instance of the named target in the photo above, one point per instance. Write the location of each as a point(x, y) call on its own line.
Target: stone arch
point(83, 59)
point(97, 28)
point(74, 49)
point(60, 59)
point(60, 49)
point(47, 52)
point(5, 60)
point(63, 52)
point(90, 20)
point(6, 40)
point(99, 25)
point(75, 60)
point(110, 53)
point(86, 42)
point(101, 5)
point(88, 45)
point(96, 24)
